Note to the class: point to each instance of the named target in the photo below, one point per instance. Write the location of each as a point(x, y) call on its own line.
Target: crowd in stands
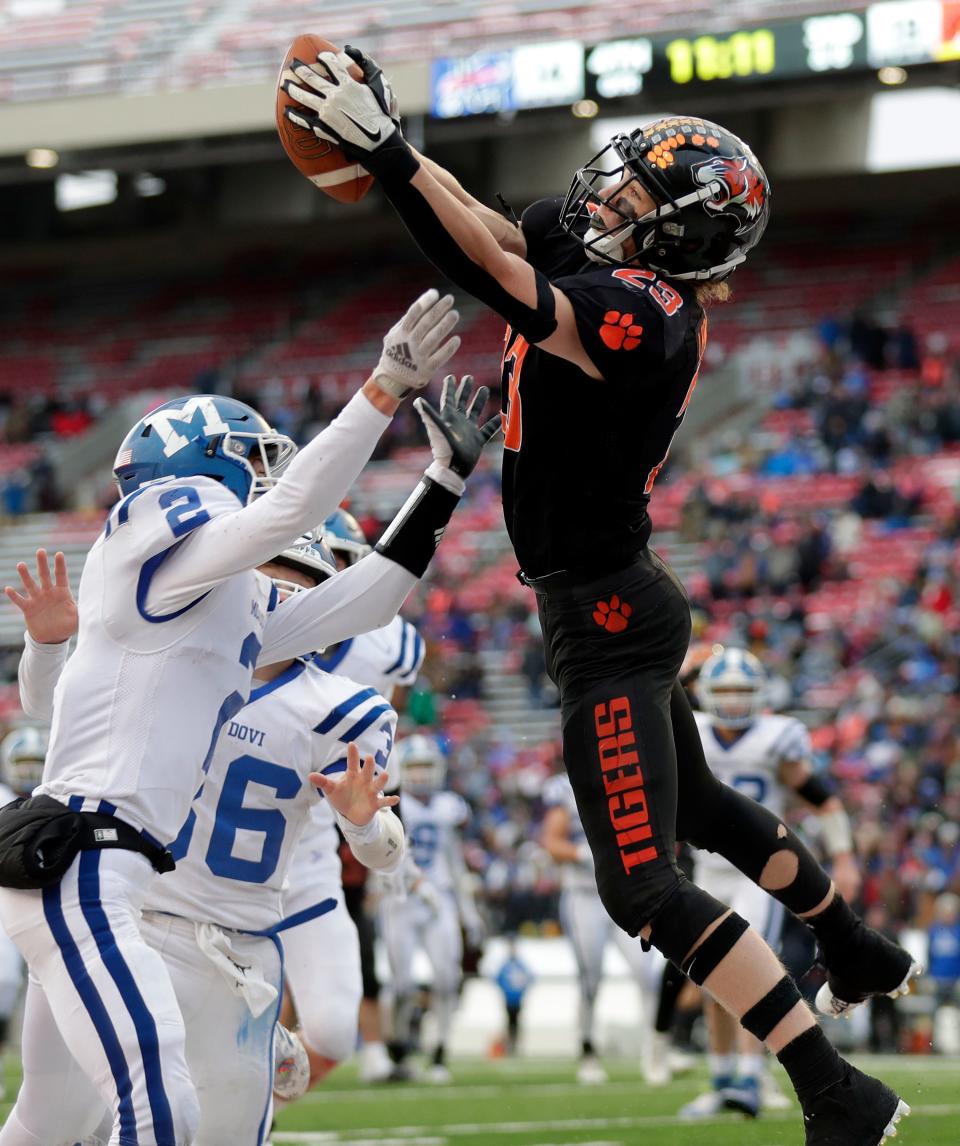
point(824, 537)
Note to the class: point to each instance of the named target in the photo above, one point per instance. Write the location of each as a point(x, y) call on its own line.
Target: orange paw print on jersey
point(612, 615)
point(619, 331)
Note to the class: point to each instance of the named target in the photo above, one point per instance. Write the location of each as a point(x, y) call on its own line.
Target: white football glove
point(336, 107)
point(417, 346)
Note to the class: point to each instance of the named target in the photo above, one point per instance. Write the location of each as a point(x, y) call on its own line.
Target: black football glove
point(456, 435)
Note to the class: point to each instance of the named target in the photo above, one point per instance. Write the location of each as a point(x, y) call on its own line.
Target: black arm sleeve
point(814, 791)
point(411, 539)
point(394, 165)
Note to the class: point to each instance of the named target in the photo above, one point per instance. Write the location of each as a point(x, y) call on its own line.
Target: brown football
point(323, 163)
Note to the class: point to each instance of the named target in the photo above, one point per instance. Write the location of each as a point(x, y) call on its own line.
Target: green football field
point(539, 1103)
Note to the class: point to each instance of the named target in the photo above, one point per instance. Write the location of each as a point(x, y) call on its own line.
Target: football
point(322, 162)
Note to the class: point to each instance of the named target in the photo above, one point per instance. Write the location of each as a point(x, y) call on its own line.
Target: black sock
point(439, 1054)
point(670, 988)
point(812, 1063)
point(586, 1049)
point(835, 924)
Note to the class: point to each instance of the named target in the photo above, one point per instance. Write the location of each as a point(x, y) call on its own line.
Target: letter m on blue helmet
point(204, 435)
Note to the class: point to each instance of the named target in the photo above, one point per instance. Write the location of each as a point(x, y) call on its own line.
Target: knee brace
point(680, 922)
point(701, 964)
point(775, 1005)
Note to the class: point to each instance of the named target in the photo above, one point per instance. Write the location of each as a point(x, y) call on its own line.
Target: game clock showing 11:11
point(743, 55)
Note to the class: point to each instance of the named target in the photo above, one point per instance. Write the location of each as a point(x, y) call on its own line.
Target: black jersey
point(581, 454)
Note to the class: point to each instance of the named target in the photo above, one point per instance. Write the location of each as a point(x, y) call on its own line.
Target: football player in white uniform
point(768, 757)
point(173, 619)
point(217, 919)
point(589, 929)
point(437, 901)
point(323, 958)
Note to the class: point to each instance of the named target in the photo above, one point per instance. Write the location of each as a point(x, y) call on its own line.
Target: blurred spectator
point(513, 979)
point(943, 964)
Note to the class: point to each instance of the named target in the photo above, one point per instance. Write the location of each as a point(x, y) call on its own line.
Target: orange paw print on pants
point(619, 331)
point(612, 615)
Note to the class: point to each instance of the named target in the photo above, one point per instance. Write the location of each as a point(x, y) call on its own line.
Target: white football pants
point(110, 996)
point(321, 961)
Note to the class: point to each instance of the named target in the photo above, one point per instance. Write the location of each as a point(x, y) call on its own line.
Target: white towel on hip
point(240, 968)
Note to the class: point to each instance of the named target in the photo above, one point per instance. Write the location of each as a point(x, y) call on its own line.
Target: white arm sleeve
point(310, 489)
point(39, 671)
point(379, 845)
point(366, 596)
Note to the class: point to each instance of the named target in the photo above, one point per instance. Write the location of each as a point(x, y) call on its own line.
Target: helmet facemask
point(606, 169)
point(711, 197)
point(274, 452)
point(308, 555)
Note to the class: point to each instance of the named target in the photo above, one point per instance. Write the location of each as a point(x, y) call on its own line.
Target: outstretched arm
point(374, 833)
point(509, 236)
point(337, 107)
point(319, 477)
point(50, 615)
point(369, 594)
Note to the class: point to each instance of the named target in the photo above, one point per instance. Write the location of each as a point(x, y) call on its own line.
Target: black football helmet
point(712, 195)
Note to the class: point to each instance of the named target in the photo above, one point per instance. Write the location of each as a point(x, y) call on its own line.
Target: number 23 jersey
point(235, 848)
point(587, 450)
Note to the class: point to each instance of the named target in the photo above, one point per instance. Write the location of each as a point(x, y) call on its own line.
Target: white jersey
point(432, 837)
point(138, 706)
point(384, 659)
point(381, 660)
point(751, 763)
point(558, 793)
point(235, 848)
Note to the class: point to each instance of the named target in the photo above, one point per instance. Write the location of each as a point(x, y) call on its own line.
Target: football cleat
point(743, 1097)
point(706, 1105)
point(291, 1067)
point(375, 1064)
point(439, 1075)
point(856, 1111)
point(868, 964)
point(590, 1072)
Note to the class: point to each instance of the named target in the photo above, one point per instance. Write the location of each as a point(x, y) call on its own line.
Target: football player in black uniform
point(604, 292)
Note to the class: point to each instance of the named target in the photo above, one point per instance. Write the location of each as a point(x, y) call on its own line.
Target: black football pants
point(633, 752)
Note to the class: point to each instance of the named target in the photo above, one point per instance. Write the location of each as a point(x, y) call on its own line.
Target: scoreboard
point(891, 33)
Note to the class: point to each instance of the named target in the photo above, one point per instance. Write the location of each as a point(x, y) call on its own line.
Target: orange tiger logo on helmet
point(744, 187)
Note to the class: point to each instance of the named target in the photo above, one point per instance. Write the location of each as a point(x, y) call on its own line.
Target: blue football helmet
point(22, 755)
point(309, 554)
point(732, 686)
point(343, 534)
point(204, 435)
point(419, 766)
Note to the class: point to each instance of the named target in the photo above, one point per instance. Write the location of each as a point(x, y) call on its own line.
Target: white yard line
point(413, 1135)
point(414, 1092)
